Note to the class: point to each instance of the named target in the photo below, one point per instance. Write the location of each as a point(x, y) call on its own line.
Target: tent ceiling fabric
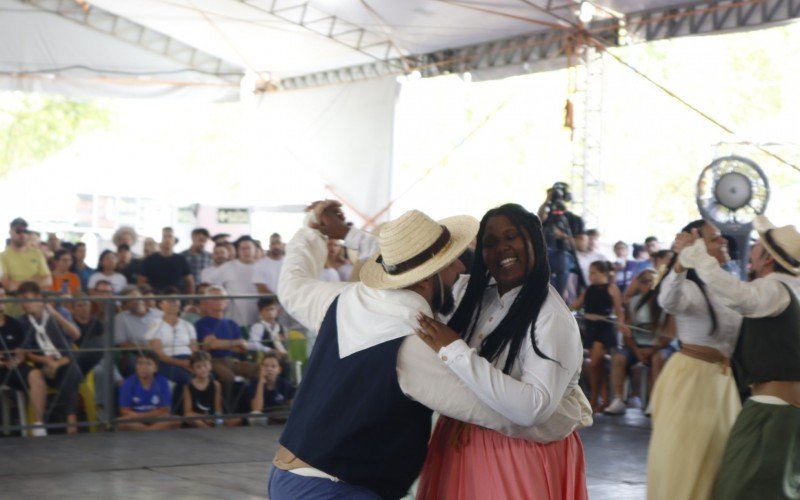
point(278, 39)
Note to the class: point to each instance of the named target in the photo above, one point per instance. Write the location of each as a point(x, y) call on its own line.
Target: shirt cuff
point(695, 255)
point(450, 353)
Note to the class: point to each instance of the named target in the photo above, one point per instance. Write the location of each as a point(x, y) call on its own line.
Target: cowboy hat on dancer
point(766, 434)
point(360, 424)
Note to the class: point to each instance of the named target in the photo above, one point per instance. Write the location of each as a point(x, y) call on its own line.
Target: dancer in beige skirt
point(695, 400)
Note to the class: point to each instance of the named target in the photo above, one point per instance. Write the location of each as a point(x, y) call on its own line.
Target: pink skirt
point(467, 462)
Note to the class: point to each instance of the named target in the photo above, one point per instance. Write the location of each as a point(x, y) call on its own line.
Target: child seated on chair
point(272, 389)
point(268, 335)
point(145, 394)
point(203, 395)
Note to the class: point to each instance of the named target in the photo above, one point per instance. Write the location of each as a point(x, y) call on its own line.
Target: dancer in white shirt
point(515, 344)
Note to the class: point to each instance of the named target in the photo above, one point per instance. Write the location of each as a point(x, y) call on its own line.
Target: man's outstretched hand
point(330, 219)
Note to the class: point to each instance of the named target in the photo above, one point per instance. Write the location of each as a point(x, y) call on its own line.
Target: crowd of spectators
point(220, 355)
point(194, 358)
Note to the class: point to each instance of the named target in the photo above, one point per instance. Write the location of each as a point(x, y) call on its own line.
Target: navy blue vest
point(351, 420)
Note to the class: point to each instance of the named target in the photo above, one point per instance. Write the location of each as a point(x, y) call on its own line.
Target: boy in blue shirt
point(145, 394)
point(272, 390)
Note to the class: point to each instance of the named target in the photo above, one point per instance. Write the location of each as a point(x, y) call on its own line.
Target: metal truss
point(709, 16)
point(377, 46)
point(141, 36)
point(542, 45)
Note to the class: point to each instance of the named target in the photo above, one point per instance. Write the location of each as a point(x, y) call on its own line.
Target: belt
point(707, 354)
point(288, 461)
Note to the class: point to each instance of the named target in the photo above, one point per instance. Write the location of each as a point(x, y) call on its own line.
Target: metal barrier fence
point(108, 420)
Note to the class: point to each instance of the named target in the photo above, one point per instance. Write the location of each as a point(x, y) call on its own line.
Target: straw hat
point(783, 243)
point(414, 247)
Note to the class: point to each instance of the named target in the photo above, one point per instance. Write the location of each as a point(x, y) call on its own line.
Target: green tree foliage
point(34, 126)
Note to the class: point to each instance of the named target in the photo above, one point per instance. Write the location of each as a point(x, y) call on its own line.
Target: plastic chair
point(86, 391)
point(296, 344)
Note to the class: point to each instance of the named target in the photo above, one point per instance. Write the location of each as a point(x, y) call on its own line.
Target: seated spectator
point(125, 235)
point(268, 335)
point(337, 263)
point(202, 396)
point(149, 247)
point(270, 265)
point(104, 289)
point(196, 256)
point(107, 271)
point(191, 311)
point(128, 265)
point(624, 268)
point(132, 325)
point(239, 277)
point(15, 372)
point(79, 266)
point(148, 293)
point(91, 330)
point(165, 268)
point(173, 340)
point(64, 280)
point(272, 389)
point(222, 338)
point(47, 334)
point(145, 395)
point(21, 262)
point(218, 257)
point(651, 246)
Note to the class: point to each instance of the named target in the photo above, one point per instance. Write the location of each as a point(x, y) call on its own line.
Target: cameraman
point(560, 227)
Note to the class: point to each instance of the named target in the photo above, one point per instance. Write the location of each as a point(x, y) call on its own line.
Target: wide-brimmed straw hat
point(783, 243)
point(414, 247)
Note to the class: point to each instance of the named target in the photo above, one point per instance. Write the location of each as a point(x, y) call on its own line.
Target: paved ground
point(232, 463)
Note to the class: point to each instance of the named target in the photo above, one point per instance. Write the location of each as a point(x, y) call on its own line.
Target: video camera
point(560, 193)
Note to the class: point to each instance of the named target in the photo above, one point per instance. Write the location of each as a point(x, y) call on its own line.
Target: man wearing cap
point(762, 456)
point(360, 423)
point(21, 262)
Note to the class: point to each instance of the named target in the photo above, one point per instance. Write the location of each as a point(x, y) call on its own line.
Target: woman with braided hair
point(695, 400)
point(513, 341)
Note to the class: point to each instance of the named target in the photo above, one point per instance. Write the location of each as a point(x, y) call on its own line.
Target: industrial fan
point(731, 191)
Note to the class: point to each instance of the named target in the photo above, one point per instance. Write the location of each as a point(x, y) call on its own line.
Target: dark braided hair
point(522, 314)
point(691, 275)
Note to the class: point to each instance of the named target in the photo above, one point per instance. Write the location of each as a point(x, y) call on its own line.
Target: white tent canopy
point(149, 48)
point(335, 59)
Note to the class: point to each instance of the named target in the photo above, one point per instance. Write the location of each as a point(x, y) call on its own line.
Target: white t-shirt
point(175, 340)
point(585, 260)
point(268, 271)
point(118, 281)
point(239, 279)
point(208, 274)
point(330, 274)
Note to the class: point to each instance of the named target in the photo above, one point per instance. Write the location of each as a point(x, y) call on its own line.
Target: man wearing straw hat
point(361, 421)
point(762, 456)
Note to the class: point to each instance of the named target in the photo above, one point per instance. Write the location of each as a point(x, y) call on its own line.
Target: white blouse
point(535, 387)
point(175, 340)
point(684, 300)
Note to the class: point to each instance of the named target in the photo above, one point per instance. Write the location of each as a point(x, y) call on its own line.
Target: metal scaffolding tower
point(587, 127)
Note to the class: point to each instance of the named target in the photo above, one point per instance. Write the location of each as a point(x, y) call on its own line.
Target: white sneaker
point(617, 407)
point(634, 402)
point(38, 431)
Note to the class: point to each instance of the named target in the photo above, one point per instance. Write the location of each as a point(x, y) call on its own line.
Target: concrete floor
point(232, 463)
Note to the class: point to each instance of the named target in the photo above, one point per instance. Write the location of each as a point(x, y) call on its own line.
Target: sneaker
point(38, 431)
point(617, 407)
point(634, 402)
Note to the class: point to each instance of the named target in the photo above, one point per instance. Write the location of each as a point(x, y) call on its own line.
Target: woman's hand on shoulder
point(435, 333)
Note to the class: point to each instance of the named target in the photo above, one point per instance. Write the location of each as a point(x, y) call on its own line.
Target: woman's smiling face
point(505, 253)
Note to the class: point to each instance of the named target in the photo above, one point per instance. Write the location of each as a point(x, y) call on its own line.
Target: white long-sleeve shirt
point(368, 317)
point(533, 390)
point(760, 298)
point(684, 300)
